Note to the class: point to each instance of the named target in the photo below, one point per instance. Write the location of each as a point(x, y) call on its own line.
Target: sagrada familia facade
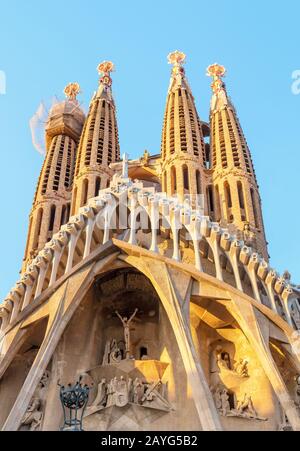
point(146, 300)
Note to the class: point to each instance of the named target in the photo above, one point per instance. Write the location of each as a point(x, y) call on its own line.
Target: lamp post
point(74, 399)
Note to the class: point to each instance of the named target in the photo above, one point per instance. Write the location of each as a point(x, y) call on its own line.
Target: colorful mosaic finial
point(72, 90)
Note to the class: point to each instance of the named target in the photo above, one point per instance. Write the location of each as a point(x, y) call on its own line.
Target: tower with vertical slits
point(236, 198)
point(182, 145)
point(99, 143)
point(51, 204)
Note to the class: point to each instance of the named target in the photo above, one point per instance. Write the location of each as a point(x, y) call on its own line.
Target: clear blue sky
point(44, 45)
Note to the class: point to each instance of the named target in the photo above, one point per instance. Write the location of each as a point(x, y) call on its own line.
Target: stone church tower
point(182, 146)
point(157, 311)
point(51, 204)
point(99, 143)
point(235, 188)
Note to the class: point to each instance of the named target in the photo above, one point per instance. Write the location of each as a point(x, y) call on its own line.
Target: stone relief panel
point(228, 405)
point(232, 383)
point(128, 392)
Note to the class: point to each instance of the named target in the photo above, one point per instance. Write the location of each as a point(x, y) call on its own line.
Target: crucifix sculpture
point(126, 324)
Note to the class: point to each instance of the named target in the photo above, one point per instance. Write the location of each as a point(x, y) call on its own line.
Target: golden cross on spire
point(176, 58)
point(216, 71)
point(72, 90)
point(104, 69)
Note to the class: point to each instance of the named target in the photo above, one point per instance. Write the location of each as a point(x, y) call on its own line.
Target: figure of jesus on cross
point(126, 324)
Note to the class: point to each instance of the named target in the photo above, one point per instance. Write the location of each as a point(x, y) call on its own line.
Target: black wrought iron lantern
point(74, 399)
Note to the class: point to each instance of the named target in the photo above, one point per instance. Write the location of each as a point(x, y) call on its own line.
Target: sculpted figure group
point(223, 362)
point(120, 392)
point(225, 400)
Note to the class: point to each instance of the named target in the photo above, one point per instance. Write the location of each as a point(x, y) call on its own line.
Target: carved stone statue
point(115, 352)
point(121, 391)
point(246, 407)
point(138, 391)
point(287, 276)
point(112, 352)
point(126, 324)
point(221, 398)
point(241, 368)
point(248, 236)
point(222, 359)
point(101, 398)
point(217, 398)
point(225, 406)
point(155, 396)
point(34, 414)
point(121, 396)
point(146, 156)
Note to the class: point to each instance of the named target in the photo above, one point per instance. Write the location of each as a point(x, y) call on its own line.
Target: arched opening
point(198, 182)
point(165, 185)
point(210, 202)
point(97, 186)
point(217, 204)
point(246, 282)
point(241, 201)
point(207, 258)
point(143, 352)
point(227, 270)
point(84, 194)
point(185, 173)
point(74, 201)
point(263, 293)
point(254, 206)
point(37, 229)
point(68, 207)
point(173, 181)
point(52, 218)
point(63, 218)
point(228, 201)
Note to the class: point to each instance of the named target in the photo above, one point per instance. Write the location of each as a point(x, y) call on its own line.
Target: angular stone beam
point(157, 273)
point(60, 309)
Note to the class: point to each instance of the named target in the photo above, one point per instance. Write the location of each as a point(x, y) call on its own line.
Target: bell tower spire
point(235, 186)
point(99, 143)
point(51, 204)
point(182, 146)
